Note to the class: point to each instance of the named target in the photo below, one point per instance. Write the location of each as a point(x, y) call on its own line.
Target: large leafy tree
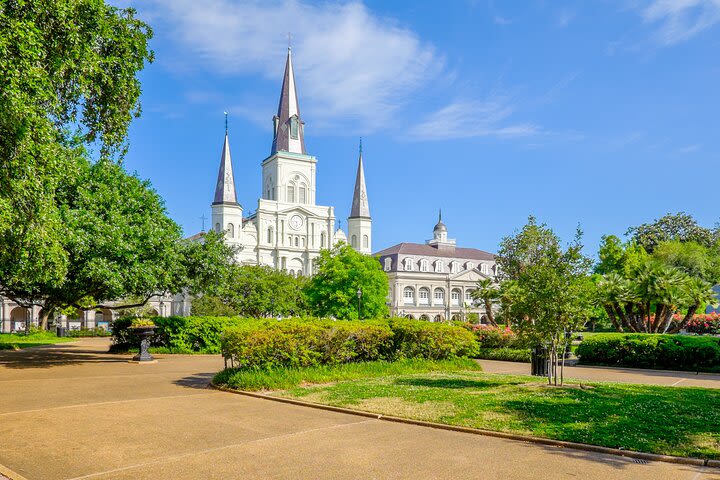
point(68, 79)
point(488, 293)
point(341, 272)
point(680, 227)
point(261, 291)
point(546, 290)
point(119, 243)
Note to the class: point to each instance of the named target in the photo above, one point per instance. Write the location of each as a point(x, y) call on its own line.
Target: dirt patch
point(430, 411)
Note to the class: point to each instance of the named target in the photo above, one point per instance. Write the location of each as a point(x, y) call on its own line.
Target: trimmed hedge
point(507, 354)
point(660, 351)
point(88, 332)
point(303, 343)
point(177, 334)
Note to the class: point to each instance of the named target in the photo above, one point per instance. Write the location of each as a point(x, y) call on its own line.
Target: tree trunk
point(44, 316)
point(613, 318)
point(688, 316)
point(489, 312)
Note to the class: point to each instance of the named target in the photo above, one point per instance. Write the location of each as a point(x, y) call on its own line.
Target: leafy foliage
point(68, 80)
point(679, 227)
point(546, 290)
point(487, 292)
point(261, 291)
point(641, 292)
point(678, 352)
point(341, 272)
point(211, 306)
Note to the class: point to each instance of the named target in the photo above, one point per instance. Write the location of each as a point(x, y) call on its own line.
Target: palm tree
point(487, 292)
point(699, 292)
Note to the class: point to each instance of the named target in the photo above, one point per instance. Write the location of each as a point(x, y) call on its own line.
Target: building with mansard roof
point(435, 280)
point(288, 229)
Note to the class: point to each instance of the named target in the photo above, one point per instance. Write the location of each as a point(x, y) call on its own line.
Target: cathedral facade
point(288, 229)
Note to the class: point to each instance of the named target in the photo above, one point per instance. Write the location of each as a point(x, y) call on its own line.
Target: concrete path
point(622, 375)
point(71, 411)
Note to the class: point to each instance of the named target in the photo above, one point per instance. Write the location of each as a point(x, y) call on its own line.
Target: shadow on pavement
point(54, 356)
point(196, 380)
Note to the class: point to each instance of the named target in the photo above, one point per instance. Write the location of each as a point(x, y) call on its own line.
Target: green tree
point(68, 79)
point(211, 306)
point(341, 272)
point(641, 292)
point(680, 227)
point(487, 292)
point(546, 290)
point(119, 243)
point(261, 291)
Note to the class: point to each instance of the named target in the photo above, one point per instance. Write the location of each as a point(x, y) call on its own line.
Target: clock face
point(296, 222)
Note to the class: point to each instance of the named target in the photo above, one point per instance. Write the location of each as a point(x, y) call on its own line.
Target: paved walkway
point(71, 411)
point(623, 375)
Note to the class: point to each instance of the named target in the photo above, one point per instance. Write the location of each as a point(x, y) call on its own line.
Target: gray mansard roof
point(419, 249)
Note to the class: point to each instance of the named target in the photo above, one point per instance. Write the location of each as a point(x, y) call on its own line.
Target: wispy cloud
point(352, 65)
point(689, 149)
point(678, 20)
point(467, 118)
point(565, 17)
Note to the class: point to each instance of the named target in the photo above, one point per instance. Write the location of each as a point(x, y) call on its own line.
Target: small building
point(435, 280)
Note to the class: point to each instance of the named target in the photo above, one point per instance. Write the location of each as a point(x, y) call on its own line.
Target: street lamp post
point(359, 296)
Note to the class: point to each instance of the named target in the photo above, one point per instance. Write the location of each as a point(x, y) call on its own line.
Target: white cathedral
point(288, 229)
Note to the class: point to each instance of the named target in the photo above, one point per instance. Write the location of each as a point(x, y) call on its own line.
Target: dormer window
point(408, 264)
point(294, 127)
point(388, 264)
point(423, 265)
point(439, 267)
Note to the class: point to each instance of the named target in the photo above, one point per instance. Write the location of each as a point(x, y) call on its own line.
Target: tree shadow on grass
point(451, 383)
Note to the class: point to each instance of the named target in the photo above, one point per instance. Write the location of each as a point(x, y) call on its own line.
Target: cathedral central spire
point(288, 127)
point(360, 206)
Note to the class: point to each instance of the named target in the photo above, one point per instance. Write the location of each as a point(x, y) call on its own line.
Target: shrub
point(88, 332)
point(433, 341)
point(489, 336)
point(679, 352)
point(507, 354)
point(703, 323)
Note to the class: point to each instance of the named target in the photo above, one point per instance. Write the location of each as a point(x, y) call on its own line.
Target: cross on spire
point(203, 218)
point(226, 122)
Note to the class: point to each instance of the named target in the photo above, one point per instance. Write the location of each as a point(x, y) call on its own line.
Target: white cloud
point(466, 118)
point(679, 20)
point(352, 67)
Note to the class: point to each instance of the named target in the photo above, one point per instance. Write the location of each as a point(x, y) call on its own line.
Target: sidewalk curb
point(698, 462)
point(10, 474)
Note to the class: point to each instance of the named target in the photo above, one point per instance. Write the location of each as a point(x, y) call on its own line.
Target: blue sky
point(603, 114)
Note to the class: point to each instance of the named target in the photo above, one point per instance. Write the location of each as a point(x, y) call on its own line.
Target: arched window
point(455, 297)
point(439, 266)
point(291, 193)
point(297, 242)
point(424, 296)
point(424, 317)
point(388, 264)
point(453, 267)
point(270, 236)
point(484, 268)
point(231, 230)
point(423, 265)
point(439, 296)
point(438, 318)
point(353, 242)
point(409, 264)
point(303, 241)
point(322, 239)
point(302, 196)
point(409, 296)
point(218, 228)
point(366, 241)
point(469, 266)
point(468, 296)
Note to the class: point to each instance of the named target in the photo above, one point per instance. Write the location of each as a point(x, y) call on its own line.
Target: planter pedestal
point(144, 333)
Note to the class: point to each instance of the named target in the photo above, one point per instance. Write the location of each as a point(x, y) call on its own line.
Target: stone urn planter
point(143, 329)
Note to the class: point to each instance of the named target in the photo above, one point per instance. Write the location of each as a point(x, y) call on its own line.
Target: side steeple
point(227, 214)
point(288, 126)
point(360, 206)
point(225, 187)
point(359, 221)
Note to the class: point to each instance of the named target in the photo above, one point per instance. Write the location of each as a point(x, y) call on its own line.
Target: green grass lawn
point(14, 341)
point(665, 420)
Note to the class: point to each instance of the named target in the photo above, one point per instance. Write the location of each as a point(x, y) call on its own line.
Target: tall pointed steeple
point(289, 128)
point(360, 206)
point(225, 187)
